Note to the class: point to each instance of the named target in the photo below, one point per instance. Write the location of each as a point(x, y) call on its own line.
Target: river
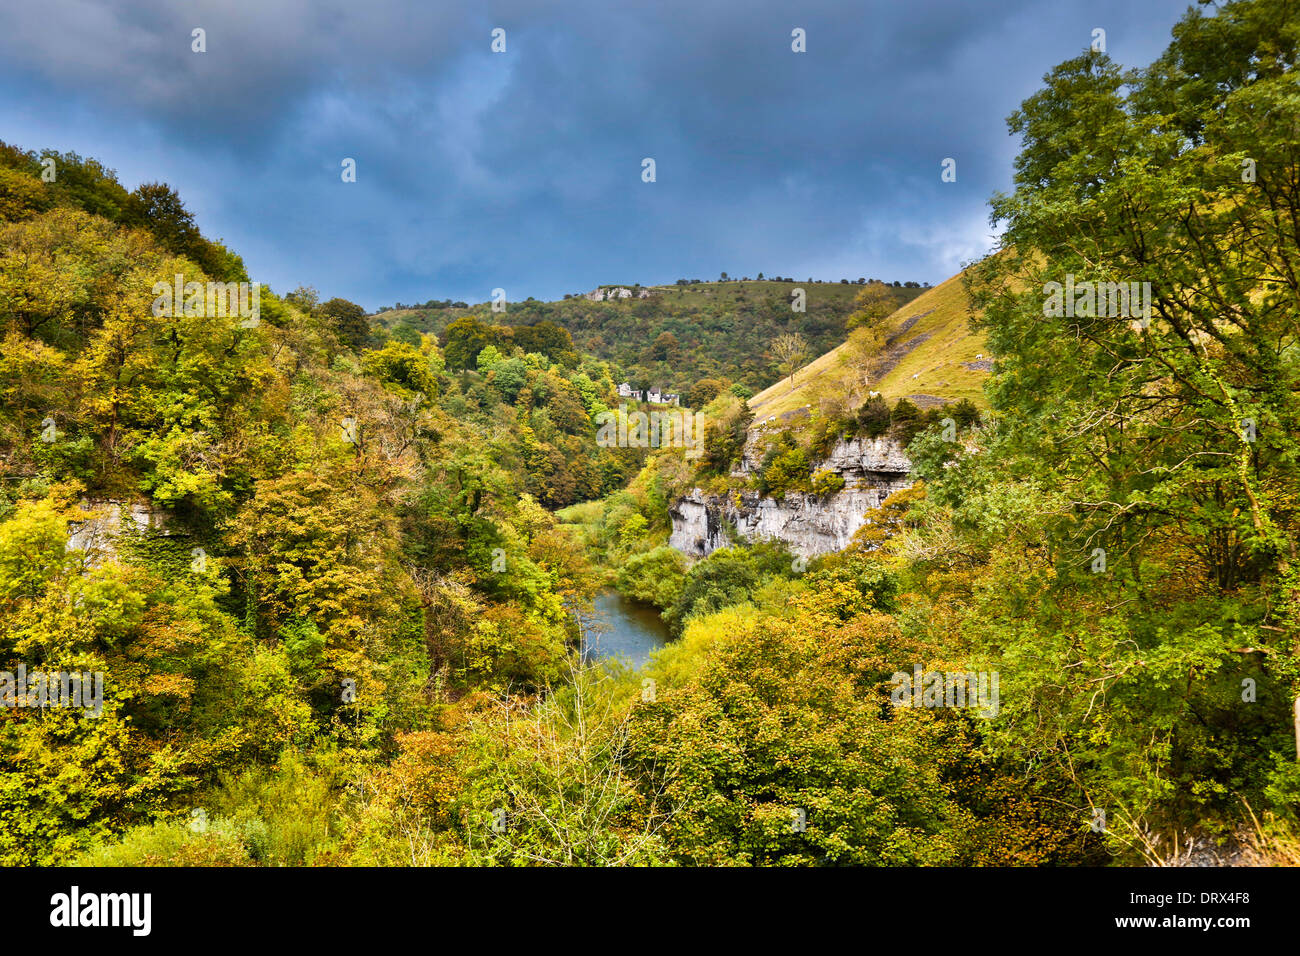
point(617, 627)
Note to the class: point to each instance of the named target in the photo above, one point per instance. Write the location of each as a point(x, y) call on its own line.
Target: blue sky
point(522, 169)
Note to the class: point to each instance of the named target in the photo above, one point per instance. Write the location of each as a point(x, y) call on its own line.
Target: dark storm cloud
point(522, 169)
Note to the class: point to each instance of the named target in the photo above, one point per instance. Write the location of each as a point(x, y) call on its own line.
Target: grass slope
point(932, 344)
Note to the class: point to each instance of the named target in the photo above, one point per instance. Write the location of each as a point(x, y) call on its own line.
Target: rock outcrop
point(107, 520)
point(809, 524)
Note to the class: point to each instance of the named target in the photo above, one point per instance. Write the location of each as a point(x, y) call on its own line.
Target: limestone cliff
point(872, 470)
point(105, 520)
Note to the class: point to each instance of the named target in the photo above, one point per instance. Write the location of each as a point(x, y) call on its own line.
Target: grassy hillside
point(680, 334)
point(930, 354)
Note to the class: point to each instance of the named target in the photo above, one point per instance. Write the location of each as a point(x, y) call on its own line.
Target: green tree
point(654, 577)
point(874, 416)
point(464, 339)
point(1142, 309)
point(905, 421)
point(348, 321)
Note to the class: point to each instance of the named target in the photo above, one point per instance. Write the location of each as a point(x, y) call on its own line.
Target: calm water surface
point(618, 627)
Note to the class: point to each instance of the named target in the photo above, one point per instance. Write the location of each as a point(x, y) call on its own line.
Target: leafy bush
point(905, 421)
point(220, 843)
point(874, 416)
point(827, 431)
point(770, 728)
point(655, 577)
point(785, 468)
point(726, 577)
point(827, 482)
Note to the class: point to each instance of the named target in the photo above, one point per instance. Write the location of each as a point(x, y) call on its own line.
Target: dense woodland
point(693, 338)
point(374, 662)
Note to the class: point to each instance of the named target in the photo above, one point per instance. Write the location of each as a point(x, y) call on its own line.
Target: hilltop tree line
point(87, 185)
point(760, 278)
point(681, 336)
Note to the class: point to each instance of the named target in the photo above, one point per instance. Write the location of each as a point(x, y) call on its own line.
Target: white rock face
point(864, 458)
point(106, 520)
point(872, 469)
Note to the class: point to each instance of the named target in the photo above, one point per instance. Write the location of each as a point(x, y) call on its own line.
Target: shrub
point(964, 413)
point(728, 577)
point(829, 430)
point(654, 577)
point(827, 482)
point(174, 844)
point(905, 421)
point(785, 468)
point(874, 417)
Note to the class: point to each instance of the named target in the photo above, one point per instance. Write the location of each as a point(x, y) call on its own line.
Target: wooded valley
point(1032, 597)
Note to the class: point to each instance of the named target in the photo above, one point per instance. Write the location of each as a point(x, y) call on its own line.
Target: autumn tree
point(790, 350)
point(873, 304)
point(861, 356)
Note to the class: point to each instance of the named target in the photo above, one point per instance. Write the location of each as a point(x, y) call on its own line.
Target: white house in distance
point(655, 396)
point(610, 295)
